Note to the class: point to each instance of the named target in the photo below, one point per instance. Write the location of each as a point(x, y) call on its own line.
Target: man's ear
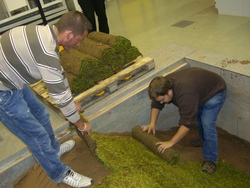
point(170, 92)
point(69, 35)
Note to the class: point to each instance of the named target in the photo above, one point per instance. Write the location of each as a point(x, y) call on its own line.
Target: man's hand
point(82, 125)
point(182, 131)
point(86, 128)
point(149, 128)
point(164, 145)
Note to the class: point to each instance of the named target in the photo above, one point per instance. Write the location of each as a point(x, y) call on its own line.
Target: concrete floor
point(148, 24)
point(151, 24)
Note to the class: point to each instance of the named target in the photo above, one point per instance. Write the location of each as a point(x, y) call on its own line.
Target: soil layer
point(231, 148)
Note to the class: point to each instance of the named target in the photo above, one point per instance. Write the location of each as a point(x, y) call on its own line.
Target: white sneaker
point(65, 147)
point(74, 179)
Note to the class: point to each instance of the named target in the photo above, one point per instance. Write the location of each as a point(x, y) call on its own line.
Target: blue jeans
point(206, 122)
point(26, 117)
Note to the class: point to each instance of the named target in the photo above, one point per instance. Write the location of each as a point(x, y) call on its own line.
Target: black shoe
point(209, 167)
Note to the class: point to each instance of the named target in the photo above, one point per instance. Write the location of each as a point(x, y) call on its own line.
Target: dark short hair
point(159, 86)
point(74, 21)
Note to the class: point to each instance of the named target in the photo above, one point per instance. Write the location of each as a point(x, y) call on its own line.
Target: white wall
point(233, 7)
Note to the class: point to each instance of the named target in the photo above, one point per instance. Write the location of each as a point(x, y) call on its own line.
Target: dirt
point(231, 148)
point(226, 62)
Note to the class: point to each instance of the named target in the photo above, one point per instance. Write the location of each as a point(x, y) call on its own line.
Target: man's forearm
point(182, 131)
point(154, 115)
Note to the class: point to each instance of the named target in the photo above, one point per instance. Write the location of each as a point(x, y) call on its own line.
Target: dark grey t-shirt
point(192, 87)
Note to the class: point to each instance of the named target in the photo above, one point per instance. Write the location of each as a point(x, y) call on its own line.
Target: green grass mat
point(135, 166)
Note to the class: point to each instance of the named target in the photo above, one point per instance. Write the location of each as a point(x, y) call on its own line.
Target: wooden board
point(137, 68)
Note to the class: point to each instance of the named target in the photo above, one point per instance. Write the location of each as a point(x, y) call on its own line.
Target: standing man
point(199, 95)
point(92, 7)
point(28, 54)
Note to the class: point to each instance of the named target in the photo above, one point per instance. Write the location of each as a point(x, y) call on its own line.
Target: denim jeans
point(26, 117)
point(206, 122)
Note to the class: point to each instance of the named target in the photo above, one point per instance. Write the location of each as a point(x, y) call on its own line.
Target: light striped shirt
point(30, 53)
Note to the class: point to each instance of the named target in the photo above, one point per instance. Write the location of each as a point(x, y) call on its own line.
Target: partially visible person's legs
point(199, 124)
point(16, 115)
point(39, 111)
point(88, 9)
point(206, 122)
point(198, 142)
point(210, 111)
point(100, 10)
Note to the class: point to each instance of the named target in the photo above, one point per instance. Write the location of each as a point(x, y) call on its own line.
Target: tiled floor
point(151, 24)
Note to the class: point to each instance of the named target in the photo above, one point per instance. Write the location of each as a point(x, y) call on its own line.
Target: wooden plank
point(140, 66)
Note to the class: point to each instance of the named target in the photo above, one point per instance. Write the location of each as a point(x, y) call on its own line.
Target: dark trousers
point(89, 8)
